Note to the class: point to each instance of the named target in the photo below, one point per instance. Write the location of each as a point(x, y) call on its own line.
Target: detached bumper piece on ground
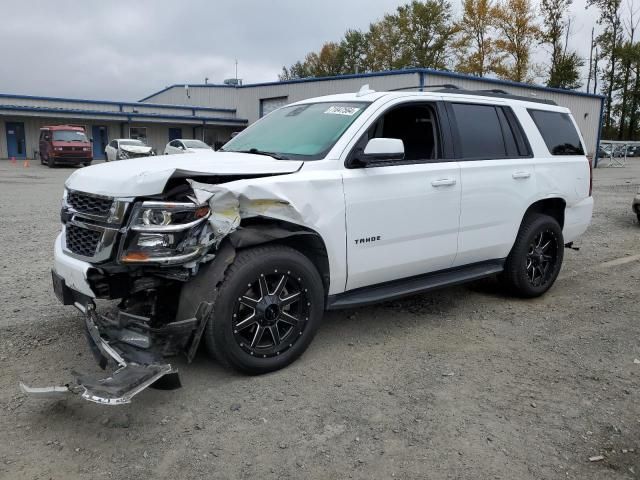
point(136, 350)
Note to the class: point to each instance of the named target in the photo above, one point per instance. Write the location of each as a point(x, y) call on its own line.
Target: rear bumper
point(577, 219)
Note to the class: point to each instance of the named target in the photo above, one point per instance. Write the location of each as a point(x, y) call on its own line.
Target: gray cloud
point(125, 50)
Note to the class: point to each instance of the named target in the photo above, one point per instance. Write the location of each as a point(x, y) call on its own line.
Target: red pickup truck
point(65, 144)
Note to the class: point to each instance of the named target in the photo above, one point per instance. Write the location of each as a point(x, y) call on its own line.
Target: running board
point(413, 285)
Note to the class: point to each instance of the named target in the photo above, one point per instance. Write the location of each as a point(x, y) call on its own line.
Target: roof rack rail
point(422, 87)
point(493, 90)
point(497, 94)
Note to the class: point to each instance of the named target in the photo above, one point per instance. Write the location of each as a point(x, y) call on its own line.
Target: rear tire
point(267, 310)
point(536, 257)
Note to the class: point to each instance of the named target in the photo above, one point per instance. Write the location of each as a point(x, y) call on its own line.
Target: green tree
point(418, 34)
point(475, 45)
point(515, 22)
point(609, 41)
point(564, 68)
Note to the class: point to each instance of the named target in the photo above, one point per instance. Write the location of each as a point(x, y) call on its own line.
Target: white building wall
point(249, 100)
point(214, 96)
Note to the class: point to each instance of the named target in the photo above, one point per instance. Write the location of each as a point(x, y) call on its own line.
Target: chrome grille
point(89, 204)
point(82, 241)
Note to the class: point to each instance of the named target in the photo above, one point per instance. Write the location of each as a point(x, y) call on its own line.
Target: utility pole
point(590, 62)
point(236, 71)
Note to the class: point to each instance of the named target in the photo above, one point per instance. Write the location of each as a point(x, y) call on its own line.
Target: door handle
point(444, 182)
point(518, 175)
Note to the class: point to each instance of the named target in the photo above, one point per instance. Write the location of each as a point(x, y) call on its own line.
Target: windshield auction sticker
point(349, 111)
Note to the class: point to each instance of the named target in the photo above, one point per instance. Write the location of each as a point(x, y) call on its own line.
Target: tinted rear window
point(558, 132)
point(480, 131)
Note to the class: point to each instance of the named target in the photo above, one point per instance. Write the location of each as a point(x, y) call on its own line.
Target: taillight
point(590, 176)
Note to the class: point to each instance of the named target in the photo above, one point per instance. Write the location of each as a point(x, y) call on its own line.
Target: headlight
point(164, 232)
point(57, 149)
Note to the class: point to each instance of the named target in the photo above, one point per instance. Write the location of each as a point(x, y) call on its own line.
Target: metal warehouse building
point(212, 112)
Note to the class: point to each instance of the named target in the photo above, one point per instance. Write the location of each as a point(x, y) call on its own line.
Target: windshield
point(298, 132)
point(69, 136)
point(195, 144)
point(136, 143)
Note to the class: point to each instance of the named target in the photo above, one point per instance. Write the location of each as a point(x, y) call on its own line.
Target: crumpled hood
point(135, 148)
point(149, 175)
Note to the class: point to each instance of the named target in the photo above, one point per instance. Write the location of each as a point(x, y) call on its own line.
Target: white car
point(333, 202)
point(126, 148)
point(185, 145)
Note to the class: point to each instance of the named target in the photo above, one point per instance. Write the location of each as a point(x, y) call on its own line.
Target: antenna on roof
point(364, 90)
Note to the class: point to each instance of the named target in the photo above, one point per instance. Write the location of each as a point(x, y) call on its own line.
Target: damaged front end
point(163, 257)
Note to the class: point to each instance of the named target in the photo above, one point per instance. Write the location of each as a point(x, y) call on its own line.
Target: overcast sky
point(125, 50)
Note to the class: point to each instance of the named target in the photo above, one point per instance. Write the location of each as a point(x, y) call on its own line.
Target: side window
point(415, 124)
point(480, 131)
point(558, 132)
point(113, 144)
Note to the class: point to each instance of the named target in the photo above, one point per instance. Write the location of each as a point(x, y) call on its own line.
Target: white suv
point(327, 203)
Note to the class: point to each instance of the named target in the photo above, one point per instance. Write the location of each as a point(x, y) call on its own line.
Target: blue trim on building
point(422, 71)
point(120, 104)
point(596, 153)
point(128, 115)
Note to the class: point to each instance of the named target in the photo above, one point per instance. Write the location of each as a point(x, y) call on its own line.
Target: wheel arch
point(263, 231)
point(553, 206)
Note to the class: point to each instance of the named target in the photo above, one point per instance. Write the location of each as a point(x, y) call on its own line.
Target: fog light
point(155, 240)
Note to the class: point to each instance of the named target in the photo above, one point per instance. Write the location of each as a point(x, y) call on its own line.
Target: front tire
point(536, 257)
point(51, 163)
point(267, 311)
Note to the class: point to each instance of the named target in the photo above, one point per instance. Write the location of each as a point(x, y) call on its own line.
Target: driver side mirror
point(382, 149)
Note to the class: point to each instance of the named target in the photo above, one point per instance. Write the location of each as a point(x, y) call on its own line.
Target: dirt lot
point(461, 383)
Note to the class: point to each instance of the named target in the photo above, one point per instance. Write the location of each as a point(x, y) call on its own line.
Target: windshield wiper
point(255, 151)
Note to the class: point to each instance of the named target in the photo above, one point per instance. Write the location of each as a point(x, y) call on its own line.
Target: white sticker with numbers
point(336, 110)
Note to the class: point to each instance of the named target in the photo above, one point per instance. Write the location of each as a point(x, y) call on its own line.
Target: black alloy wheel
point(535, 258)
point(271, 315)
point(267, 309)
point(542, 257)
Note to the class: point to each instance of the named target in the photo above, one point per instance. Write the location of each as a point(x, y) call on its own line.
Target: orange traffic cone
point(26, 163)
point(13, 160)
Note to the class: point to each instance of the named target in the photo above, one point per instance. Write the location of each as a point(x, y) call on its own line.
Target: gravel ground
point(460, 383)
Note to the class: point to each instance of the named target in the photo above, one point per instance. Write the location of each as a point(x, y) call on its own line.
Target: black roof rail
point(493, 90)
point(497, 94)
point(422, 87)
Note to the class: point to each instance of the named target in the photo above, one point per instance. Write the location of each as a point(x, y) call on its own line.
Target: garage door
point(268, 105)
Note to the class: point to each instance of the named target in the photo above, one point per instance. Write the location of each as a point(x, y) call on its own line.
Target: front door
point(16, 144)
point(175, 132)
point(402, 217)
point(100, 141)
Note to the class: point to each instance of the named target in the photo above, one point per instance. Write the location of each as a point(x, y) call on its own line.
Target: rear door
point(402, 216)
point(498, 178)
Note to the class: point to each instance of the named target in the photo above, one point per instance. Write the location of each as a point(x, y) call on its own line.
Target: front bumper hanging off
point(129, 379)
point(139, 362)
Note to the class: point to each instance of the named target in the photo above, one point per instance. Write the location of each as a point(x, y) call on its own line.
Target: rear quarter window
point(558, 132)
